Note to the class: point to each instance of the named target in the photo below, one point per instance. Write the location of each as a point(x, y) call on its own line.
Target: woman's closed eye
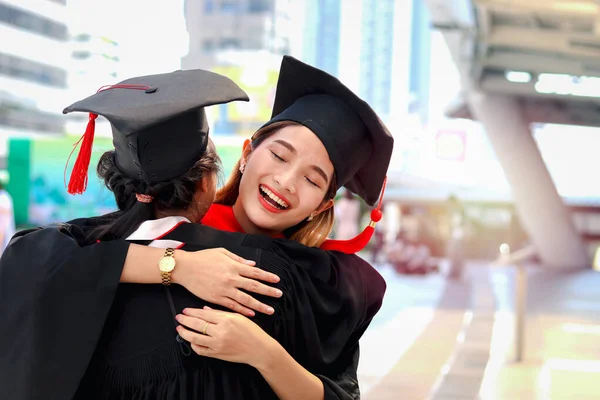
point(276, 156)
point(311, 182)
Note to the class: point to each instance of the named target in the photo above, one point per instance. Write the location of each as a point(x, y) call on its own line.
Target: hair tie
point(144, 198)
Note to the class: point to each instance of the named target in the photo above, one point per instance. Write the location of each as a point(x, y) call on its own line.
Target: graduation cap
point(158, 122)
point(358, 143)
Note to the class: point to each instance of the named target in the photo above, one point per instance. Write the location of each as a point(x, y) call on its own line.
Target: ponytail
point(176, 194)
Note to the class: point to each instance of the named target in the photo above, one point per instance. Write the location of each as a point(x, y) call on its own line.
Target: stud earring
point(310, 218)
point(242, 168)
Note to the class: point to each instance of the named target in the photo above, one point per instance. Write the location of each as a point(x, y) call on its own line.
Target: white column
point(542, 211)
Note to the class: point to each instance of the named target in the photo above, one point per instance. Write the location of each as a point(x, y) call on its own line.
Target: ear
point(246, 150)
point(326, 205)
point(205, 184)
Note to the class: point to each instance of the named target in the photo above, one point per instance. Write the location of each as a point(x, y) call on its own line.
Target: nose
point(285, 181)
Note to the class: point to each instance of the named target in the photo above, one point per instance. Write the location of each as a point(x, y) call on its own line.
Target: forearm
point(141, 265)
point(288, 379)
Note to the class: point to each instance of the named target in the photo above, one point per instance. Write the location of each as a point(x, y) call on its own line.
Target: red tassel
point(359, 242)
point(79, 175)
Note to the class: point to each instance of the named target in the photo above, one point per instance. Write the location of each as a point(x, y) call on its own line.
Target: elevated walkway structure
point(522, 63)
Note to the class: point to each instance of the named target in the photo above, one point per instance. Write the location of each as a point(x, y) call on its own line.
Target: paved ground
point(438, 339)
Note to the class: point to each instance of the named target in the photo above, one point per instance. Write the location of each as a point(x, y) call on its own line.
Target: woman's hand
point(217, 275)
point(227, 336)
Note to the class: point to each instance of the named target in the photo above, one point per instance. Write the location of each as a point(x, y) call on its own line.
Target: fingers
point(257, 287)
point(254, 273)
point(210, 315)
point(193, 337)
point(250, 302)
point(202, 351)
point(195, 323)
point(259, 275)
point(237, 258)
point(235, 306)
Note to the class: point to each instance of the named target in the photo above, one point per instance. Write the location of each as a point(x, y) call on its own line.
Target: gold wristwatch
point(166, 265)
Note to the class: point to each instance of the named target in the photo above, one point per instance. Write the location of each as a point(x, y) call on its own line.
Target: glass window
point(258, 6)
point(83, 37)
point(207, 46)
point(230, 43)
point(32, 71)
point(81, 54)
point(231, 6)
point(32, 22)
point(20, 117)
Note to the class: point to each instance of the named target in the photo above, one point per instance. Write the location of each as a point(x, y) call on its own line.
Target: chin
point(264, 222)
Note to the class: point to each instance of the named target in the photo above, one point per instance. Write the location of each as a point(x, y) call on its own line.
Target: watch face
point(166, 264)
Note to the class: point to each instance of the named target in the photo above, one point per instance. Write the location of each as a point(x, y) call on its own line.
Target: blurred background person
point(347, 216)
point(456, 241)
point(410, 253)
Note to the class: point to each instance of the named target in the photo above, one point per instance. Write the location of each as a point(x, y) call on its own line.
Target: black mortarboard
point(358, 143)
point(158, 122)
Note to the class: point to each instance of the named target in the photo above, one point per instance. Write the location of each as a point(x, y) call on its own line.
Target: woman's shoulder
point(349, 274)
point(359, 274)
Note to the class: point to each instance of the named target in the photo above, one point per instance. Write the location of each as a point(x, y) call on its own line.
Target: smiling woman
point(284, 179)
point(321, 137)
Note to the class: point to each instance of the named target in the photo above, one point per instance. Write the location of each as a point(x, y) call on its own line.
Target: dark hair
point(176, 194)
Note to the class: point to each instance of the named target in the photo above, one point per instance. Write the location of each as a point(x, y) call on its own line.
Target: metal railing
point(518, 260)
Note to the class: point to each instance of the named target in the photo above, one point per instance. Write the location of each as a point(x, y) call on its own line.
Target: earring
point(310, 218)
point(242, 168)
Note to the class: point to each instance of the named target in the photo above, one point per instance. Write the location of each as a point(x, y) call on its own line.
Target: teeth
point(274, 197)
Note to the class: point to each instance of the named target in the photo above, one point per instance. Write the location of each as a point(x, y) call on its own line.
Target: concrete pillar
point(541, 210)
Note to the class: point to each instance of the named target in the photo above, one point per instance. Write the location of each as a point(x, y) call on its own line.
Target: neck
point(247, 225)
point(189, 214)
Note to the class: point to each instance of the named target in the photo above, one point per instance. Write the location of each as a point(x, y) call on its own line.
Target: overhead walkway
point(520, 63)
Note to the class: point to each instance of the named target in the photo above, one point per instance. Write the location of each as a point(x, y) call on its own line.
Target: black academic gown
point(70, 327)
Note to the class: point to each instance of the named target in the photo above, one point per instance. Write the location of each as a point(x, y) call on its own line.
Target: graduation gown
point(56, 298)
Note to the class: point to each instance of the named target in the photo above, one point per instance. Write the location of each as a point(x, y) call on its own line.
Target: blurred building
point(225, 26)
point(95, 62)
point(244, 40)
point(322, 33)
point(34, 59)
point(95, 59)
point(379, 48)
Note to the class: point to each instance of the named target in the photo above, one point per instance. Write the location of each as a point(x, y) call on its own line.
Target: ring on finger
point(204, 330)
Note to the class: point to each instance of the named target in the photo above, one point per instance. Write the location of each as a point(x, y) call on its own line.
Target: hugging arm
point(55, 296)
point(316, 351)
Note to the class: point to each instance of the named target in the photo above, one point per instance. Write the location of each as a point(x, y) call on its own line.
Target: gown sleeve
point(336, 296)
point(54, 299)
point(353, 273)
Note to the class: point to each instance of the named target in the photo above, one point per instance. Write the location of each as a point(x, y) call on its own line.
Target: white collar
point(155, 229)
